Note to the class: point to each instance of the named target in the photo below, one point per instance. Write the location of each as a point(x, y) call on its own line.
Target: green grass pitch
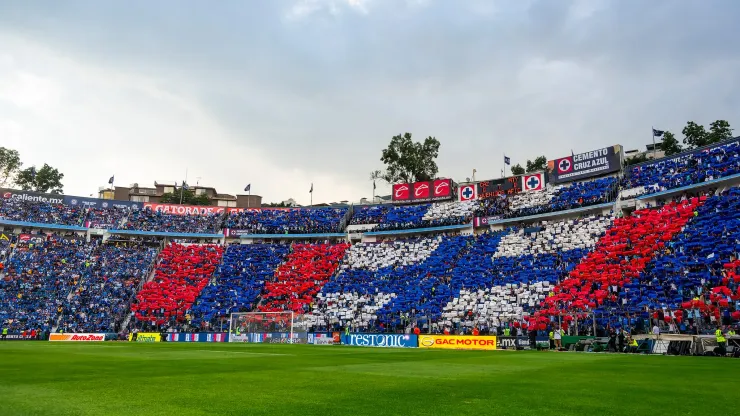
point(38, 378)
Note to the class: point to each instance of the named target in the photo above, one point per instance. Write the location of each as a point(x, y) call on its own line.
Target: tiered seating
point(38, 278)
point(41, 212)
point(506, 275)
point(181, 274)
point(685, 170)
point(618, 259)
point(287, 220)
point(106, 218)
point(307, 268)
point(150, 220)
point(407, 217)
point(380, 284)
point(699, 263)
point(240, 280)
point(103, 296)
point(561, 198)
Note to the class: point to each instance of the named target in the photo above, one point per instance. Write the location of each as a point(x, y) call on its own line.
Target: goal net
point(268, 327)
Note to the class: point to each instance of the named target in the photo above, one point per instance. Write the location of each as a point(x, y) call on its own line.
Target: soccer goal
point(268, 327)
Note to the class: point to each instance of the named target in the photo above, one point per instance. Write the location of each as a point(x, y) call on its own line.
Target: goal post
point(268, 327)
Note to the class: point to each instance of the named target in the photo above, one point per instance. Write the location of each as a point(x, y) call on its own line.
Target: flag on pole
point(374, 185)
point(311, 191)
point(507, 160)
point(110, 181)
point(658, 133)
point(248, 188)
point(185, 186)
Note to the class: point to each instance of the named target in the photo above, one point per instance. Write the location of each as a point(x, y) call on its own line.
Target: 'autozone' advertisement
point(458, 342)
point(184, 209)
point(77, 337)
point(381, 340)
point(436, 190)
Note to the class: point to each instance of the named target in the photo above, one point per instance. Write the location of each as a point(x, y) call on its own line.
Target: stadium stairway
point(183, 271)
point(618, 259)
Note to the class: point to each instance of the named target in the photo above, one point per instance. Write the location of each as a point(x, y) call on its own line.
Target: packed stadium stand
point(180, 275)
point(101, 299)
point(683, 170)
point(287, 220)
point(671, 261)
point(295, 283)
point(151, 220)
point(38, 277)
point(239, 281)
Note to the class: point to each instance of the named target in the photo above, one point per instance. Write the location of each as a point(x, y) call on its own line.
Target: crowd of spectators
point(295, 283)
point(407, 217)
point(151, 220)
point(106, 218)
point(39, 275)
point(101, 300)
point(181, 274)
point(14, 209)
point(575, 195)
point(287, 220)
point(239, 281)
point(684, 170)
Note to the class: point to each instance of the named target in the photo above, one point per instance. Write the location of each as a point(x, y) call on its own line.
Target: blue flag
point(658, 133)
point(507, 160)
point(248, 187)
point(110, 181)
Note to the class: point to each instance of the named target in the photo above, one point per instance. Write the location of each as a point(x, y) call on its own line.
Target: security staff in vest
point(632, 347)
point(5, 332)
point(552, 339)
point(721, 342)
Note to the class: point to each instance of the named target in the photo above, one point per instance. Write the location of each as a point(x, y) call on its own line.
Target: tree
point(639, 158)
point(10, 165)
point(408, 161)
point(670, 145)
point(718, 131)
point(694, 135)
point(276, 205)
point(539, 164)
point(46, 179)
point(188, 197)
point(517, 170)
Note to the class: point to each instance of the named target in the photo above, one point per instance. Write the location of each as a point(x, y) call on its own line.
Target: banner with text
point(184, 209)
point(494, 187)
point(585, 165)
point(458, 342)
point(198, 337)
point(146, 337)
point(100, 203)
point(32, 196)
point(77, 337)
point(512, 342)
point(436, 190)
point(381, 340)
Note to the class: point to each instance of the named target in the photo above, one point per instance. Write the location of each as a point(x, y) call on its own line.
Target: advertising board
point(436, 190)
point(77, 337)
point(585, 165)
point(146, 337)
point(176, 209)
point(100, 203)
point(458, 342)
point(198, 337)
point(381, 340)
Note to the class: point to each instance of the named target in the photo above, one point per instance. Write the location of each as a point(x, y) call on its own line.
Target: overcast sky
point(283, 93)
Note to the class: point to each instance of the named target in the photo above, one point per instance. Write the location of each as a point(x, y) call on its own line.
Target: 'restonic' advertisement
point(381, 340)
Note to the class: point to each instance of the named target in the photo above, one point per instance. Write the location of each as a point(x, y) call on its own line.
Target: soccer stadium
point(597, 280)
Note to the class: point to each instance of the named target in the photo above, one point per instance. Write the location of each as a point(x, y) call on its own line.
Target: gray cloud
point(324, 86)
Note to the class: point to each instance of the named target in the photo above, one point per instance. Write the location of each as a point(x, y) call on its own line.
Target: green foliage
point(188, 197)
point(10, 165)
point(695, 135)
point(670, 145)
point(540, 163)
point(517, 170)
point(46, 179)
point(276, 205)
point(409, 161)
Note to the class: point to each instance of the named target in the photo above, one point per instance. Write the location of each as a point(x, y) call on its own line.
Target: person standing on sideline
point(721, 341)
point(558, 338)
